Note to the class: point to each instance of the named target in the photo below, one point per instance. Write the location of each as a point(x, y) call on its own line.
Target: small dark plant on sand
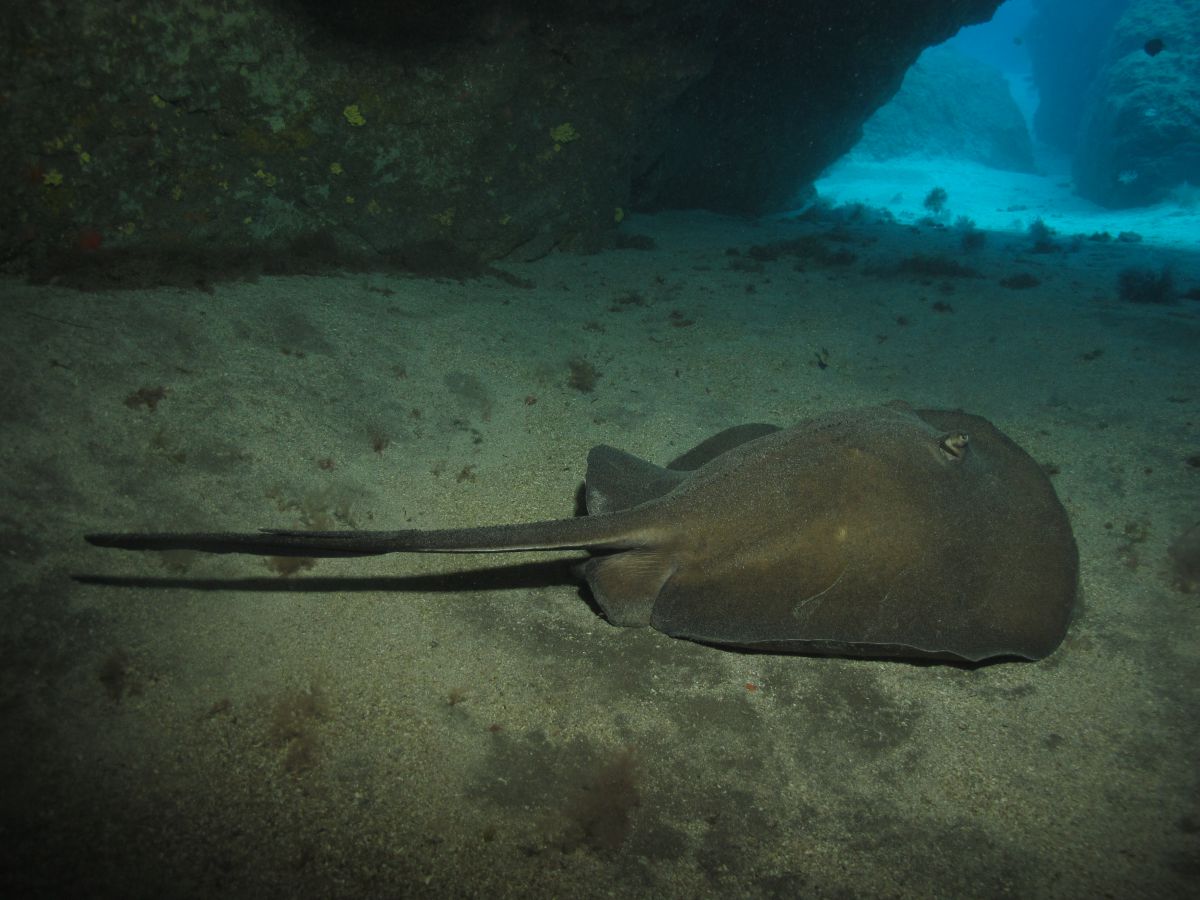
point(1042, 236)
point(971, 237)
point(1139, 284)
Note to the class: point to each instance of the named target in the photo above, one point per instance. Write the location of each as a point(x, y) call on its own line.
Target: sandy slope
point(489, 734)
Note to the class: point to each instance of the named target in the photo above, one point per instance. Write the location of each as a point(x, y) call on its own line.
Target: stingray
point(882, 531)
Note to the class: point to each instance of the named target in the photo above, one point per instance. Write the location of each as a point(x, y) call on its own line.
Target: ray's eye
point(954, 445)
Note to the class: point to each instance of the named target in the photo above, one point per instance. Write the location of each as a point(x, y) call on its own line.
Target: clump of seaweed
point(970, 237)
point(935, 200)
point(295, 719)
point(380, 441)
point(1139, 284)
point(1185, 559)
point(286, 566)
point(583, 375)
point(1021, 281)
point(822, 212)
point(148, 397)
point(320, 509)
point(810, 247)
point(1133, 534)
point(929, 266)
point(1042, 236)
point(601, 813)
point(628, 300)
point(119, 676)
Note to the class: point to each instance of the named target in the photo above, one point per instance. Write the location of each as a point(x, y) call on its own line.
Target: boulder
point(1140, 133)
point(977, 121)
point(1066, 43)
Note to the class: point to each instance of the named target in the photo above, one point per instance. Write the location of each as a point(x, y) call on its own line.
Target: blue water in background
point(1006, 44)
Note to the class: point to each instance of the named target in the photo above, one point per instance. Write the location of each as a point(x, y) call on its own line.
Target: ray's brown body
point(879, 531)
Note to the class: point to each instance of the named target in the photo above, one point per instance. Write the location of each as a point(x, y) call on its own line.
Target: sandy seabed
point(467, 725)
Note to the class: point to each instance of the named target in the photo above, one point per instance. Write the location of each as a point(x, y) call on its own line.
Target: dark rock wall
point(430, 134)
point(1140, 132)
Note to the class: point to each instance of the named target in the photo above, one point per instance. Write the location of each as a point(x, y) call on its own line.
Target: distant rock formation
point(1066, 42)
point(1140, 133)
point(976, 120)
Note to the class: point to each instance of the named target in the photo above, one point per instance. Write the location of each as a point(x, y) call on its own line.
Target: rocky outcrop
point(978, 120)
point(1066, 44)
point(432, 135)
point(1140, 134)
point(789, 89)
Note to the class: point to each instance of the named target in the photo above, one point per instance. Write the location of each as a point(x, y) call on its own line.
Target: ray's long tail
point(600, 532)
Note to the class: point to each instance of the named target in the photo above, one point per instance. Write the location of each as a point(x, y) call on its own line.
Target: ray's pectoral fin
point(626, 585)
point(618, 480)
point(721, 442)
